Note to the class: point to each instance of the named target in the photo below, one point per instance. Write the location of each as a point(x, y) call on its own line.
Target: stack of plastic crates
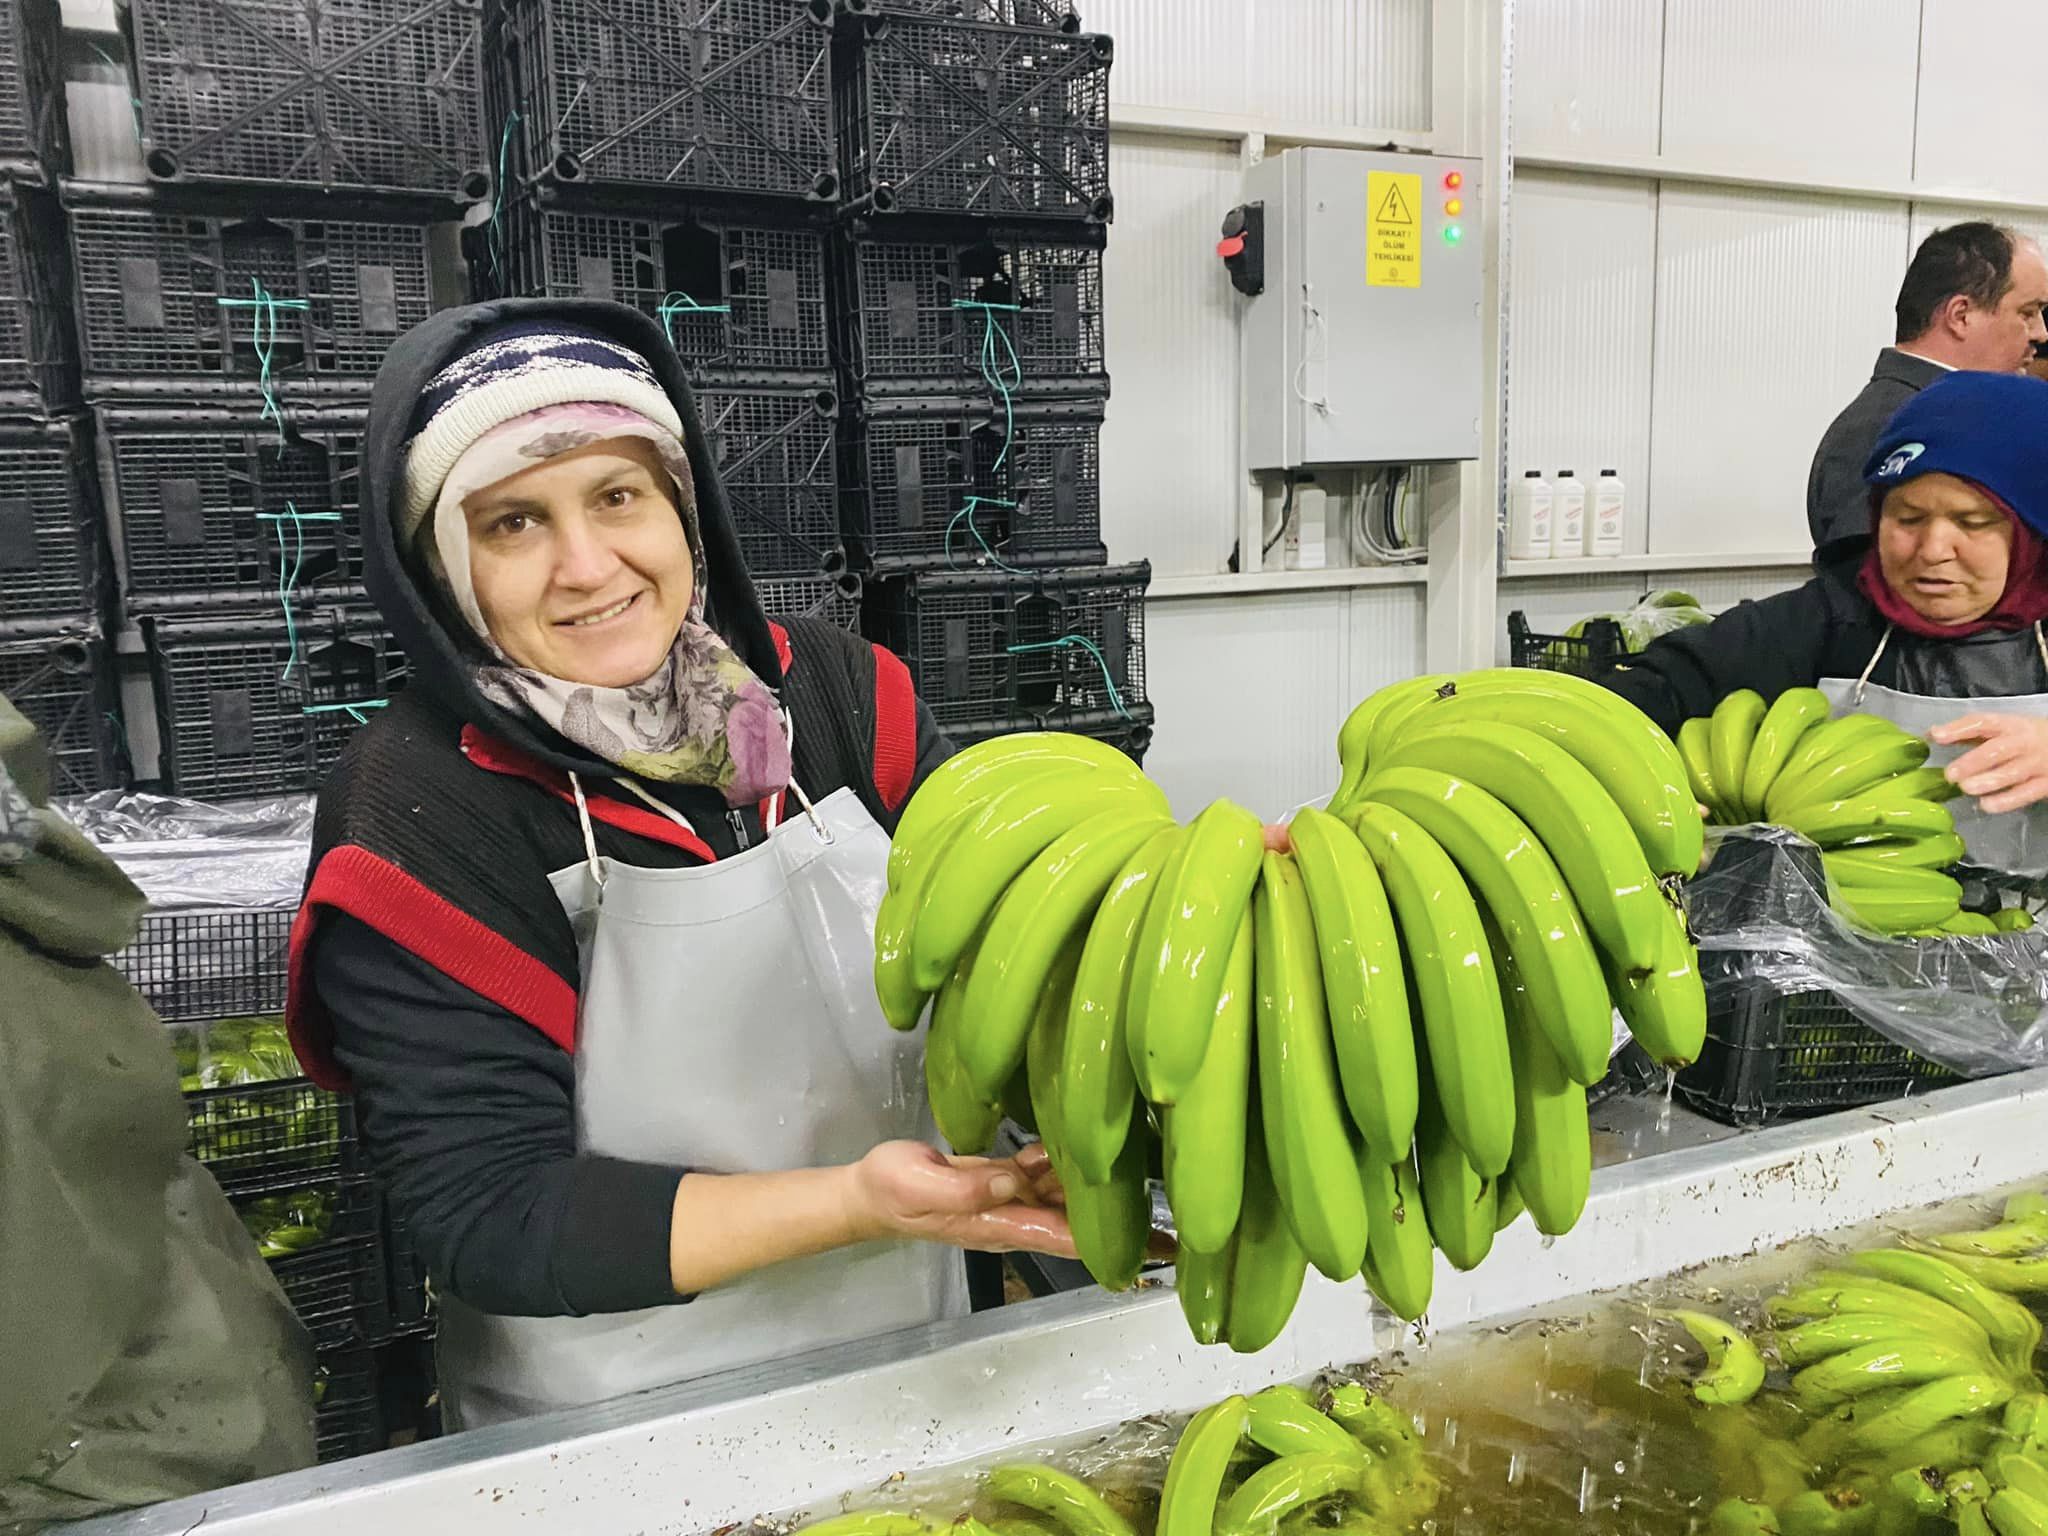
point(307, 166)
point(680, 159)
point(968, 326)
point(282, 1150)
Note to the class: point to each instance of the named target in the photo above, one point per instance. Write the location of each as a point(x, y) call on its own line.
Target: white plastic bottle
point(1604, 508)
point(1308, 540)
point(1568, 519)
point(1529, 517)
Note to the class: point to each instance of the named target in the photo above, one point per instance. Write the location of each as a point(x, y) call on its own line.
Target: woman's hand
point(2008, 769)
point(1277, 840)
point(907, 1189)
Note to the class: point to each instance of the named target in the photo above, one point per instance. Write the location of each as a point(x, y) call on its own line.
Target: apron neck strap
point(589, 834)
point(1883, 640)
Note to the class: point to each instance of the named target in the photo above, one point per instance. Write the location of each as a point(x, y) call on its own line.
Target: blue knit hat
point(1988, 428)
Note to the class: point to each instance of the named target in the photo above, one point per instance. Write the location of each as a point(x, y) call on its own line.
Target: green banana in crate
point(1525, 895)
point(1665, 1011)
point(1552, 1168)
point(1364, 988)
point(1265, 1280)
point(1845, 774)
point(1938, 851)
point(1205, 1132)
point(1201, 1459)
point(1791, 715)
point(1450, 969)
point(1098, 1087)
point(1457, 1200)
point(1695, 750)
point(964, 1117)
point(1285, 1421)
point(1400, 1259)
point(1735, 1367)
point(1045, 909)
point(1571, 816)
point(1821, 743)
point(1184, 947)
point(1868, 817)
point(1970, 925)
point(1731, 734)
point(1896, 910)
point(1874, 881)
point(1308, 1138)
point(2015, 1333)
point(1202, 1281)
point(1064, 1499)
point(2012, 920)
point(1924, 783)
point(1291, 1483)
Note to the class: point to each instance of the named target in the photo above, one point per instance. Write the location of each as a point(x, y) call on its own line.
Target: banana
point(974, 870)
point(1695, 748)
point(1574, 819)
point(1973, 925)
point(1201, 1459)
point(1111, 1221)
point(1731, 734)
point(867, 1522)
point(1096, 1084)
point(1307, 1138)
point(2014, 1513)
point(1508, 1205)
point(1895, 911)
point(1743, 1517)
point(1202, 1281)
point(2015, 1332)
point(1833, 1293)
point(1666, 1011)
point(2015, 1237)
point(1870, 878)
point(1828, 738)
point(1791, 715)
point(1205, 1131)
point(1265, 1280)
point(1184, 948)
point(2008, 1276)
point(1354, 737)
point(2027, 1203)
point(1848, 773)
point(1867, 817)
point(1524, 892)
point(1400, 1261)
point(1939, 851)
point(964, 1118)
point(1818, 1512)
point(1827, 1337)
point(2012, 920)
point(1376, 1424)
point(2021, 1473)
point(1363, 985)
point(896, 988)
point(1607, 745)
point(1066, 1500)
point(1289, 1484)
point(1285, 1421)
point(1888, 1363)
point(1457, 1200)
point(1735, 1368)
point(1552, 1168)
point(1920, 784)
point(1450, 967)
point(1046, 908)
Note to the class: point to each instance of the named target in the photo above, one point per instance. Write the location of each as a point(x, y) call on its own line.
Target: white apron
point(727, 1022)
point(2016, 842)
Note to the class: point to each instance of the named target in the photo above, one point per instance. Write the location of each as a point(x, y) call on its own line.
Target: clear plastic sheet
point(1976, 1005)
point(184, 854)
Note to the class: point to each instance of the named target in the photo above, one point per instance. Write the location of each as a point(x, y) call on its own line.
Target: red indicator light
point(1454, 179)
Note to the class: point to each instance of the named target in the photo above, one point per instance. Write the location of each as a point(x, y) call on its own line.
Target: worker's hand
point(2008, 768)
point(908, 1189)
point(1277, 840)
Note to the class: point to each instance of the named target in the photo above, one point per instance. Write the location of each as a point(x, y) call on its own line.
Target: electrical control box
point(1363, 344)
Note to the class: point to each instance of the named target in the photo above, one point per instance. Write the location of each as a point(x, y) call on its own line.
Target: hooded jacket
point(432, 968)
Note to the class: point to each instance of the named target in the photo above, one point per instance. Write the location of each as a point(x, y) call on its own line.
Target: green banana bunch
point(1061, 1497)
point(1735, 1367)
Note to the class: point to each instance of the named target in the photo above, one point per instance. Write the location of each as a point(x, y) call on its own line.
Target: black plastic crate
point(741, 301)
point(225, 507)
point(336, 1282)
point(178, 305)
point(66, 687)
point(1132, 737)
point(249, 707)
point(835, 599)
point(1777, 1055)
point(349, 94)
point(348, 1408)
point(964, 117)
point(962, 485)
point(1589, 655)
point(267, 1136)
point(992, 314)
point(210, 963)
point(38, 350)
point(774, 453)
point(728, 96)
point(52, 556)
point(1058, 649)
point(1008, 13)
point(34, 142)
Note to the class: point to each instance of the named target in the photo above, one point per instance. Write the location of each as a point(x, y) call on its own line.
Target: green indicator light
point(1453, 234)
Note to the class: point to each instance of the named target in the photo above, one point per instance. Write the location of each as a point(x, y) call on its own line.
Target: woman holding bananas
point(589, 925)
point(1939, 628)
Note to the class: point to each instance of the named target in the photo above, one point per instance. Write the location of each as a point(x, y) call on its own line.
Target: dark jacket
point(1826, 628)
point(432, 968)
point(1837, 499)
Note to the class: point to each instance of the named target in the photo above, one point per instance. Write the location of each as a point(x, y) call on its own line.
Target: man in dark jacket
point(1972, 299)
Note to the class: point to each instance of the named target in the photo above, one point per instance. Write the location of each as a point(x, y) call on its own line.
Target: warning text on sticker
point(1393, 230)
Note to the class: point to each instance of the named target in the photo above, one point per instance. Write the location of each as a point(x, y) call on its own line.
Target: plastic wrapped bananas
point(1352, 1055)
point(1858, 787)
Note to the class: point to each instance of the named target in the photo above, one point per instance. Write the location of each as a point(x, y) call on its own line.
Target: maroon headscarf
point(2023, 604)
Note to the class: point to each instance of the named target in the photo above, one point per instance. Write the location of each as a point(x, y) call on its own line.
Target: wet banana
point(1202, 1281)
point(1791, 715)
point(1731, 734)
point(1457, 1200)
point(1400, 1259)
point(1552, 1169)
point(1205, 1132)
point(1735, 1368)
point(1201, 1458)
point(1265, 1280)
point(1066, 1500)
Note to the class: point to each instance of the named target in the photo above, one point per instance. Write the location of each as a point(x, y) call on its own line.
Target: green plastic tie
point(288, 577)
point(966, 512)
point(497, 233)
point(991, 367)
point(1116, 699)
point(677, 303)
point(263, 333)
point(354, 709)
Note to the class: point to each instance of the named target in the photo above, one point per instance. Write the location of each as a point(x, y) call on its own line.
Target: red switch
point(1234, 246)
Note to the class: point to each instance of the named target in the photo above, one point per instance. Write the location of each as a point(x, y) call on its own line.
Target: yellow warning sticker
point(1393, 229)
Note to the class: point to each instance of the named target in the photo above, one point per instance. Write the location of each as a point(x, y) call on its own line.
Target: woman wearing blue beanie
point(1939, 627)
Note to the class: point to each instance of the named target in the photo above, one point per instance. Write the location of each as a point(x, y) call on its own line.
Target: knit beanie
point(1990, 429)
point(510, 370)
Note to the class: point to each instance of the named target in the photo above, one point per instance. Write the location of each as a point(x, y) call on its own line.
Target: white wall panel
point(1815, 88)
point(1977, 130)
point(1358, 63)
point(1582, 303)
point(1588, 76)
point(1928, 217)
point(1169, 447)
point(1386, 640)
point(1770, 308)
